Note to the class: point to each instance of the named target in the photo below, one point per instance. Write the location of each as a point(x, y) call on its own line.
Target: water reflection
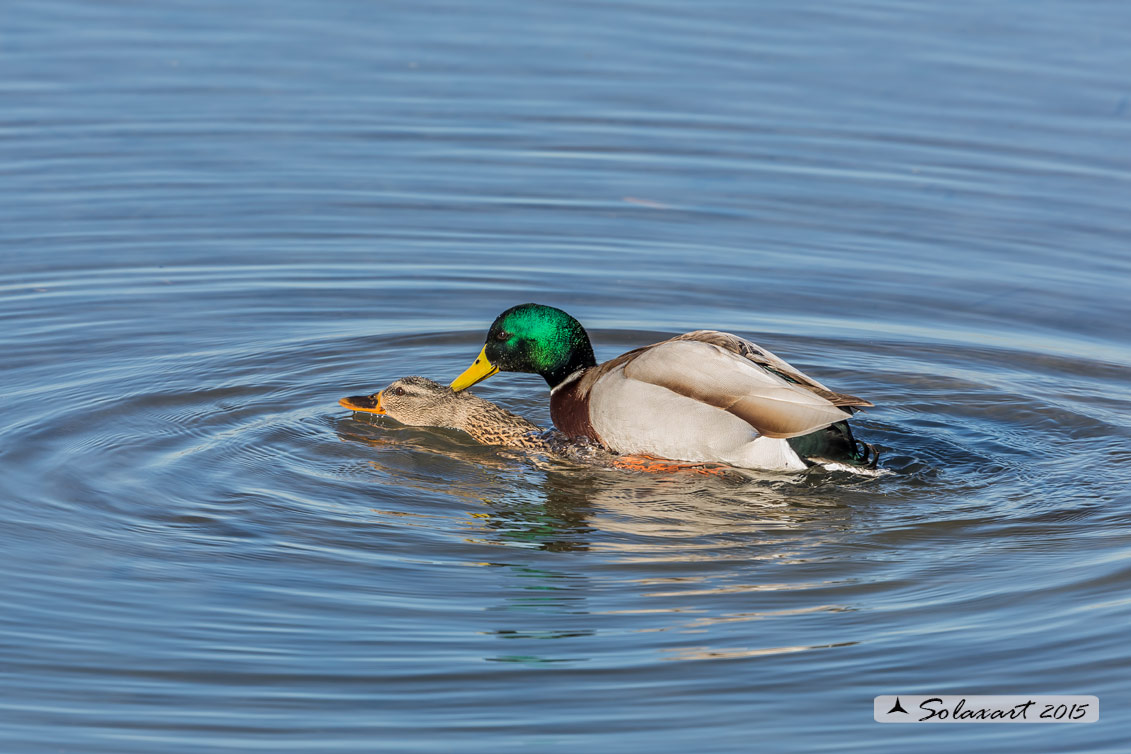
point(711, 653)
point(556, 520)
point(702, 555)
point(555, 505)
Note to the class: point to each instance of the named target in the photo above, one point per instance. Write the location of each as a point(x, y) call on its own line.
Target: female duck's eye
point(503, 335)
point(398, 391)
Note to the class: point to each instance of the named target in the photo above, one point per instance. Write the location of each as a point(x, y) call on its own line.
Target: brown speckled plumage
point(420, 402)
point(491, 424)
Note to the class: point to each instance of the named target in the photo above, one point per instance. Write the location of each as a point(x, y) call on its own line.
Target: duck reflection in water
point(548, 505)
point(685, 539)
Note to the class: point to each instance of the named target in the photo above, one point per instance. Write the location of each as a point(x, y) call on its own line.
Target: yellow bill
point(479, 370)
point(370, 404)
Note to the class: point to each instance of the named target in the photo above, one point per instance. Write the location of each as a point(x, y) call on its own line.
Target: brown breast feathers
point(569, 409)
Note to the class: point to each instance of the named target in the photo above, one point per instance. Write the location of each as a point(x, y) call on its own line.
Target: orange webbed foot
point(655, 465)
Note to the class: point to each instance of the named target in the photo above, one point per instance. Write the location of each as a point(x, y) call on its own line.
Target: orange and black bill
point(368, 403)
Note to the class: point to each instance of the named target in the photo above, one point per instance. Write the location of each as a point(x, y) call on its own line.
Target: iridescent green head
point(531, 338)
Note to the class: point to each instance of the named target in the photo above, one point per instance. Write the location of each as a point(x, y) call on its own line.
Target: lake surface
point(218, 218)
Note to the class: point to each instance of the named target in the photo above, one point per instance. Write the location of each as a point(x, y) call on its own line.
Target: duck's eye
point(503, 335)
point(398, 391)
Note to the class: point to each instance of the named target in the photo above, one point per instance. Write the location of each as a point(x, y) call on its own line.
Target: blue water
point(218, 218)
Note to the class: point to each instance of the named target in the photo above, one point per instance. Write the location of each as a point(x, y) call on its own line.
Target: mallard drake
point(703, 396)
point(421, 402)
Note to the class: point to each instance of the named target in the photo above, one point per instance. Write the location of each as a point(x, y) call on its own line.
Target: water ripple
point(216, 219)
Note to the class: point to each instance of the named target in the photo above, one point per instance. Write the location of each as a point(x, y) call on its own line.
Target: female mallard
point(420, 402)
point(704, 396)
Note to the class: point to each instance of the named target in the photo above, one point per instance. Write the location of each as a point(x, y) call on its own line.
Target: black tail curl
point(835, 444)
